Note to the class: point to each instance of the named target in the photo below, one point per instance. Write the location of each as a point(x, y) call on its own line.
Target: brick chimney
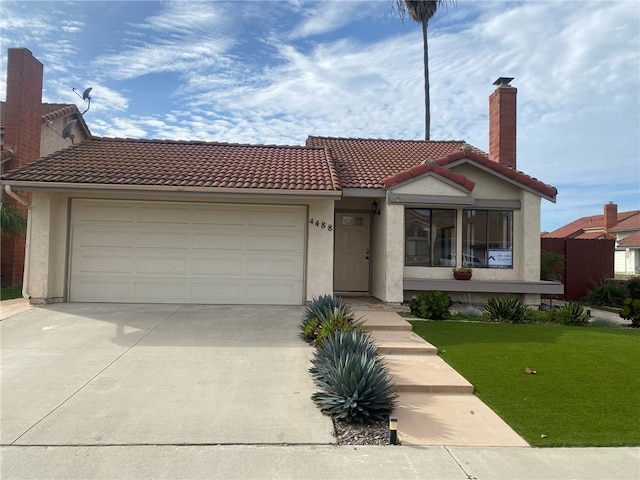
point(502, 123)
point(23, 123)
point(23, 106)
point(610, 216)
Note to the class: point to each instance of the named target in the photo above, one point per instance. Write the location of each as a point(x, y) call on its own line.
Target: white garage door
point(157, 252)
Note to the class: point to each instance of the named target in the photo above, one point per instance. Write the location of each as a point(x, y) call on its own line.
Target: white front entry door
point(352, 252)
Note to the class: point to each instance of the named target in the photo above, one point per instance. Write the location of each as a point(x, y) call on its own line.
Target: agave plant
point(571, 313)
point(336, 346)
point(508, 309)
point(354, 384)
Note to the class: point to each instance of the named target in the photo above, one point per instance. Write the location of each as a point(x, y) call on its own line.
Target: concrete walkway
point(436, 405)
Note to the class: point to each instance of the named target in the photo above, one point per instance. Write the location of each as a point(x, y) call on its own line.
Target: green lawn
point(7, 293)
point(586, 391)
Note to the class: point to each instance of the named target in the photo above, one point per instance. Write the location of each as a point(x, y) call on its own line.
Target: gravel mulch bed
point(360, 434)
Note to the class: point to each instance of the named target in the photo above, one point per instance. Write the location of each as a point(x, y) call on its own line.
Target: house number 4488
point(320, 224)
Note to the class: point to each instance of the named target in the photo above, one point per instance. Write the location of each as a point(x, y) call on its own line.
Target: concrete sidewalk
point(313, 462)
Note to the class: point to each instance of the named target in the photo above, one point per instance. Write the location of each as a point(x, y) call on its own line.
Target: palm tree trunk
point(427, 100)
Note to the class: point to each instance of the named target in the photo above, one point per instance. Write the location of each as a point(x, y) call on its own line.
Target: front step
point(401, 342)
point(388, 321)
point(425, 374)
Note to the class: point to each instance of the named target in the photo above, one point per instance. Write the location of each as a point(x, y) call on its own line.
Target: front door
point(352, 252)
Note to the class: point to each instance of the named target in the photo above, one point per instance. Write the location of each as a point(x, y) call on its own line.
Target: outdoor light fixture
point(374, 208)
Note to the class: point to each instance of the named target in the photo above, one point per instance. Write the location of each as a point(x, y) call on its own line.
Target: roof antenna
point(85, 96)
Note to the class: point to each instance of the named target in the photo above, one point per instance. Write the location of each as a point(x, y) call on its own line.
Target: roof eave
point(163, 189)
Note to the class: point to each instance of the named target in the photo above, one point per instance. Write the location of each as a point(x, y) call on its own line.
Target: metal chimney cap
point(503, 81)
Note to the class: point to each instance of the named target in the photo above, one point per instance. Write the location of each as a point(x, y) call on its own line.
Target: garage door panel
point(159, 290)
point(162, 215)
point(220, 216)
point(285, 243)
point(156, 238)
point(232, 266)
point(103, 237)
point(89, 289)
point(223, 291)
point(163, 265)
point(187, 253)
point(271, 293)
point(285, 218)
point(218, 240)
point(274, 267)
point(104, 263)
point(107, 213)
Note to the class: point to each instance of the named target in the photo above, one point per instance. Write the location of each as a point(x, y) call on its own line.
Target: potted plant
point(462, 273)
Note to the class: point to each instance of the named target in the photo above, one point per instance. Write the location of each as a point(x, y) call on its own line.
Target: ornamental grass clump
point(509, 310)
point(354, 384)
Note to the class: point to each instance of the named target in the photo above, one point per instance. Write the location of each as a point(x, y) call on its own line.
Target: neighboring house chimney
point(23, 106)
point(610, 216)
point(22, 130)
point(502, 123)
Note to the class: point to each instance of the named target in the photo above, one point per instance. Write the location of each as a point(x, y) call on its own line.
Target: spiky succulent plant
point(354, 384)
point(571, 313)
point(508, 309)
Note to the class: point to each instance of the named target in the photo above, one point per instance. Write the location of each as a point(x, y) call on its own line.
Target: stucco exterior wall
point(49, 243)
point(51, 142)
point(429, 185)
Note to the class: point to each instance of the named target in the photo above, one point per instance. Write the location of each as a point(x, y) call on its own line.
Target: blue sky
point(274, 72)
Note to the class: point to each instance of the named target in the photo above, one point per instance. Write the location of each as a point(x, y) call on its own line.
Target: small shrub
point(433, 305)
point(631, 311)
point(338, 320)
point(321, 309)
point(551, 265)
point(607, 294)
point(508, 309)
point(354, 385)
point(633, 287)
point(570, 313)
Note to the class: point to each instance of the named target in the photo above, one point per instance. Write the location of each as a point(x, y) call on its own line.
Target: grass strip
point(585, 391)
point(8, 293)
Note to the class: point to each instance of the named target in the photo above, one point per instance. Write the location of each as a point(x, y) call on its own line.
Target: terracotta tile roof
point(136, 162)
point(627, 221)
point(429, 166)
point(369, 163)
point(591, 223)
point(51, 111)
point(632, 240)
point(515, 175)
point(365, 163)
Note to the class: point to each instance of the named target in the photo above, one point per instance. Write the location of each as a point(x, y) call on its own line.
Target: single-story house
point(132, 220)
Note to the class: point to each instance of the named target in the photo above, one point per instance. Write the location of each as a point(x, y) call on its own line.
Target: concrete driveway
point(124, 374)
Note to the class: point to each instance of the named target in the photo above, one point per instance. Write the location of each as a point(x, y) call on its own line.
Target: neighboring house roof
point(592, 226)
point(182, 165)
point(377, 163)
point(51, 111)
point(632, 241)
point(630, 223)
